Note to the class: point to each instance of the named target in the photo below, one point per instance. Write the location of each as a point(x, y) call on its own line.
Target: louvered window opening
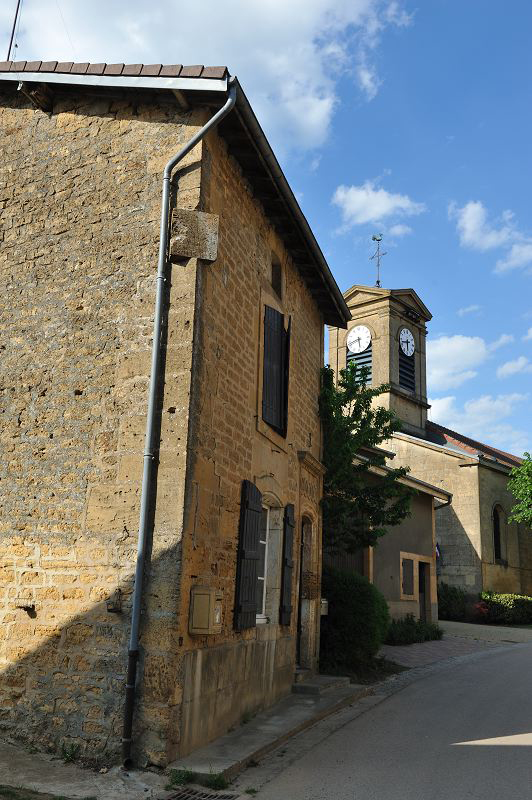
point(363, 359)
point(275, 371)
point(407, 371)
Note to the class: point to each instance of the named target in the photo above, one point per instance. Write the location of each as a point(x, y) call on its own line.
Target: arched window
point(498, 519)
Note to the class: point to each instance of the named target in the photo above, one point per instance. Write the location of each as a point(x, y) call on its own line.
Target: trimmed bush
point(409, 630)
point(506, 609)
point(357, 623)
point(452, 602)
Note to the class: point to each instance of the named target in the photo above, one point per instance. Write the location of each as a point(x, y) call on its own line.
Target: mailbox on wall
point(205, 610)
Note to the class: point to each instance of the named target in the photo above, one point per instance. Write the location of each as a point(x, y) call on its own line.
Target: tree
point(520, 485)
point(357, 507)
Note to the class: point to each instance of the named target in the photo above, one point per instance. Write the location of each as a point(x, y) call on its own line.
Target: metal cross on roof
point(377, 237)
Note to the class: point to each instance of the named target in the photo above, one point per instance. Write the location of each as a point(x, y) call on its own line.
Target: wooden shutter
point(286, 373)
point(248, 556)
point(285, 613)
point(272, 376)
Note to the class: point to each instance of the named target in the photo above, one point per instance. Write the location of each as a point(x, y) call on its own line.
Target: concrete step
point(231, 753)
point(320, 684)
point(301, 675)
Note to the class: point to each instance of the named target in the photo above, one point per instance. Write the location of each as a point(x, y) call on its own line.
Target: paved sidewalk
point(417, 655)
point(43, 773)
point(486, 633)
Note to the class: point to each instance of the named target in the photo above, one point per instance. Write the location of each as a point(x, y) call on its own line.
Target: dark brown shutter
point(285, 614)
point(286, 374)
point(248, 556)
point(273, 373)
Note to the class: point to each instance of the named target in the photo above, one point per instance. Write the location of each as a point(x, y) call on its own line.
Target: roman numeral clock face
point(406, 340)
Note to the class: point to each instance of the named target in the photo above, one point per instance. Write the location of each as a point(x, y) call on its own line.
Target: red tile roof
point(470, 445)
point(125, 70)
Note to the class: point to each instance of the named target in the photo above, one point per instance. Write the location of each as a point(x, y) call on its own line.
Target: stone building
point(231, 590)
point(479, 548)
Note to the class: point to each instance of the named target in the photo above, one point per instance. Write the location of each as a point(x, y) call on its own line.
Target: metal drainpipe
point(133, 650)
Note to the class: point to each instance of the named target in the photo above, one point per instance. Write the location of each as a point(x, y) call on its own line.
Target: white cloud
point(528, 335)
point(399, 230)
point(520, 364)
point(473, 309)
point(519, 255)
point(369, 203)
point(477, 233)
point(504, 338)
point(482, 419)
point(289, 56)
point(474, 230)
point(452, 360)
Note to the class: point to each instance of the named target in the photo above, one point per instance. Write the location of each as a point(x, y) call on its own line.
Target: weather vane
point(377, 237)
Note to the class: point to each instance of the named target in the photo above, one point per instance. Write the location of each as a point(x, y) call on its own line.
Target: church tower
point(387, 334)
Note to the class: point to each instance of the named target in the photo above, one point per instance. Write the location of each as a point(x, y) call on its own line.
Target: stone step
point(301, 675)
point(320, 684)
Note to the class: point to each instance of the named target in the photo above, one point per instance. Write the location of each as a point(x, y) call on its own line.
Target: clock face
point(358, 339)
point(406, 340)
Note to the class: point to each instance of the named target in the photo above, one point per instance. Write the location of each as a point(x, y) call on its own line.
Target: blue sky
point(387, 116)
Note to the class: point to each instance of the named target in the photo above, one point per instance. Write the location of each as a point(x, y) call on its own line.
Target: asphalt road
point(440, 738)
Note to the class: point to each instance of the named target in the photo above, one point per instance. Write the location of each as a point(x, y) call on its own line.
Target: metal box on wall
point(205, 610)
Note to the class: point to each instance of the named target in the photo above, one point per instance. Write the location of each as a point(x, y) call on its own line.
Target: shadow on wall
point(67, 693)
point(460, 564)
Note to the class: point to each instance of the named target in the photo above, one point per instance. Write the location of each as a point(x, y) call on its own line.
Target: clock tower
point(387, 335)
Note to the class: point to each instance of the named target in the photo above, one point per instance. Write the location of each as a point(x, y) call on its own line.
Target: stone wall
point(233, 674)
point(80, 206)
point(458, 524)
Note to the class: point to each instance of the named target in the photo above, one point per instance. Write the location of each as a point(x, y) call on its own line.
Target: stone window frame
point(416, 558)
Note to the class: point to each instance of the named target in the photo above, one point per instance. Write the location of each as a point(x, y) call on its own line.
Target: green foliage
point(70, 752)
point(357, 511)
point(216, 780)
point(409, 630)
point(507, 609)
point(520, 485)
point(180, 777)
point(357, 622)
point(452, 602)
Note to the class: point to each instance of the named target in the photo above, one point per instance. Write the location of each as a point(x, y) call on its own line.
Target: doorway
point(424, 591)
point(303, 605)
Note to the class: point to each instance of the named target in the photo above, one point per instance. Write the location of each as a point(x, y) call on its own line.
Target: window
point(499, 552)
point(407, 371)
point(264, 573)
point(275, 370)
point(262, 565)
point(407, 576)
point(277, 277)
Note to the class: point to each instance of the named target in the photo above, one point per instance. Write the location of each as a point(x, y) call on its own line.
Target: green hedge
point(505, 609)
point(357, 622)
point(452, 602)
point(409, 630)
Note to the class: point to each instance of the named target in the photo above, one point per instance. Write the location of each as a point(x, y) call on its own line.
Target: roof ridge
point(473, 443)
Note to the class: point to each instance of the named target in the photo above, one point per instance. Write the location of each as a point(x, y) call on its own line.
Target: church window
point(407, 364)
point(275, 370)
point(497, 533)
point(359, 351)
point(361, 360)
